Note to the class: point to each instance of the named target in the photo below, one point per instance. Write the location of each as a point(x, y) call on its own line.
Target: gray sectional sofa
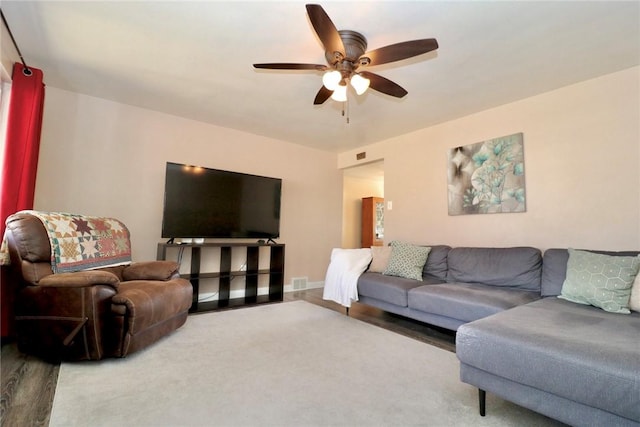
point(459, 285)
point(575, 363)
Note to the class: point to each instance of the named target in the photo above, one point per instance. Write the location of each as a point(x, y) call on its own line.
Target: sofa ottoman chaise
point(575, 363)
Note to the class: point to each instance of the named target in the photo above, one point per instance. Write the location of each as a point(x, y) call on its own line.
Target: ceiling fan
point(345, 52)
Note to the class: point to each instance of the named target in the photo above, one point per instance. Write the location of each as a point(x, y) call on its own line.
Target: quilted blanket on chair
point(80, 242)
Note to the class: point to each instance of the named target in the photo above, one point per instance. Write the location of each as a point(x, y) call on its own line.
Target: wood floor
point(433, 335)
point(28, 384)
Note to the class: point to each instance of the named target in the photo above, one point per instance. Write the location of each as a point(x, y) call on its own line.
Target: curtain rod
point(26, 71)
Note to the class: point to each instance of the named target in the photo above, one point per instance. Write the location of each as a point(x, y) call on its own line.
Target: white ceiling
point(194, 59)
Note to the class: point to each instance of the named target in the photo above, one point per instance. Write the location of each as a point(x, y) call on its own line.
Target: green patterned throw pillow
point(407, 260)
point(603, 281)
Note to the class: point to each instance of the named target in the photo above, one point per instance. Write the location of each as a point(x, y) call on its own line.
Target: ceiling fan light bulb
point(340, 94)
point(331, 79)
point(359, 83)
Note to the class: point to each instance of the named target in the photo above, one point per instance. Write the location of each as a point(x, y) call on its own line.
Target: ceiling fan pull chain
point(345, 105)
point(347, 102)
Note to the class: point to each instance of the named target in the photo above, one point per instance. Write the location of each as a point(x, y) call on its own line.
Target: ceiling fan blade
point(325, 29)
point(383, 85)
point(291, 66)
point(322, 95)
point(399, 51)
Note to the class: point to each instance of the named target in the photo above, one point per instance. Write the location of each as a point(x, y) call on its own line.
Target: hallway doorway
point(358, 182)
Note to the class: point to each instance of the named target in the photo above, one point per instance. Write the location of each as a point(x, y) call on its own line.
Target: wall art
point(487, 177)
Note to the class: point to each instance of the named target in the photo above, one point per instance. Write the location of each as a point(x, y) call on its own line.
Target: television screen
point(202, 202)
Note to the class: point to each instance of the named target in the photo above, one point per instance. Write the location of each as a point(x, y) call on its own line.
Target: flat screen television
point(203, 202)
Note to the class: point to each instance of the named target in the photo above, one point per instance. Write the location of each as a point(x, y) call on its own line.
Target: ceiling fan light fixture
point(340, 93)
point(359, 83)
point(345, 51)
point(331, 79)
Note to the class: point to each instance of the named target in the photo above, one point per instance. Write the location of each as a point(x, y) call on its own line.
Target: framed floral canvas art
point(487, 177)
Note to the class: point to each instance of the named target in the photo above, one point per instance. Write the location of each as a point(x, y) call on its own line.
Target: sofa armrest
point(80, 279)
point(151, 270)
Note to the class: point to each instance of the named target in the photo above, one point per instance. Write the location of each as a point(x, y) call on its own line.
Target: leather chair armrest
point(151, 270)
point(80, 279)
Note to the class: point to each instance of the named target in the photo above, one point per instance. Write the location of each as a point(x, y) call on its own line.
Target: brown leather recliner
point(91, 314)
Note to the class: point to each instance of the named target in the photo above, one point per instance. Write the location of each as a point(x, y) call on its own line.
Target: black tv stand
point(269, 241)
point(251, 271)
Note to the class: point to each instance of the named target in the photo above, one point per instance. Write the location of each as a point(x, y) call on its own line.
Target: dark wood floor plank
point(423, 332)
point(28, 387)
point(14, 365)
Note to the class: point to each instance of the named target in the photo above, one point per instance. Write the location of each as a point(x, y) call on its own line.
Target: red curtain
point(22, 145)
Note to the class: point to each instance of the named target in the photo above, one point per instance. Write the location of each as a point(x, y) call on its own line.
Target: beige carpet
point(287, 364)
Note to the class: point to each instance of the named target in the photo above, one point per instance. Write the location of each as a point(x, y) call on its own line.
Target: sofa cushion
point(603, 281)
point(407, 260)
point(634, 299)
point(518, 268)
point(554, 271)
point(577, 352)
point(466, 302)
point(390, 289)
point(151, 302)
point(151, 270)
point(554, 268)
point(436, 266)
point(380, 258)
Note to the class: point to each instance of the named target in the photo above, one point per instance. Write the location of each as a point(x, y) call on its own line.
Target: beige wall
point(582, 166)
point(354, 189)
point(582, 157)
point(8, 54)
point(103, 158)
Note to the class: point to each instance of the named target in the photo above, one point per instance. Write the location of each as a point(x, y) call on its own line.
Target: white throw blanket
point(346, 266)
